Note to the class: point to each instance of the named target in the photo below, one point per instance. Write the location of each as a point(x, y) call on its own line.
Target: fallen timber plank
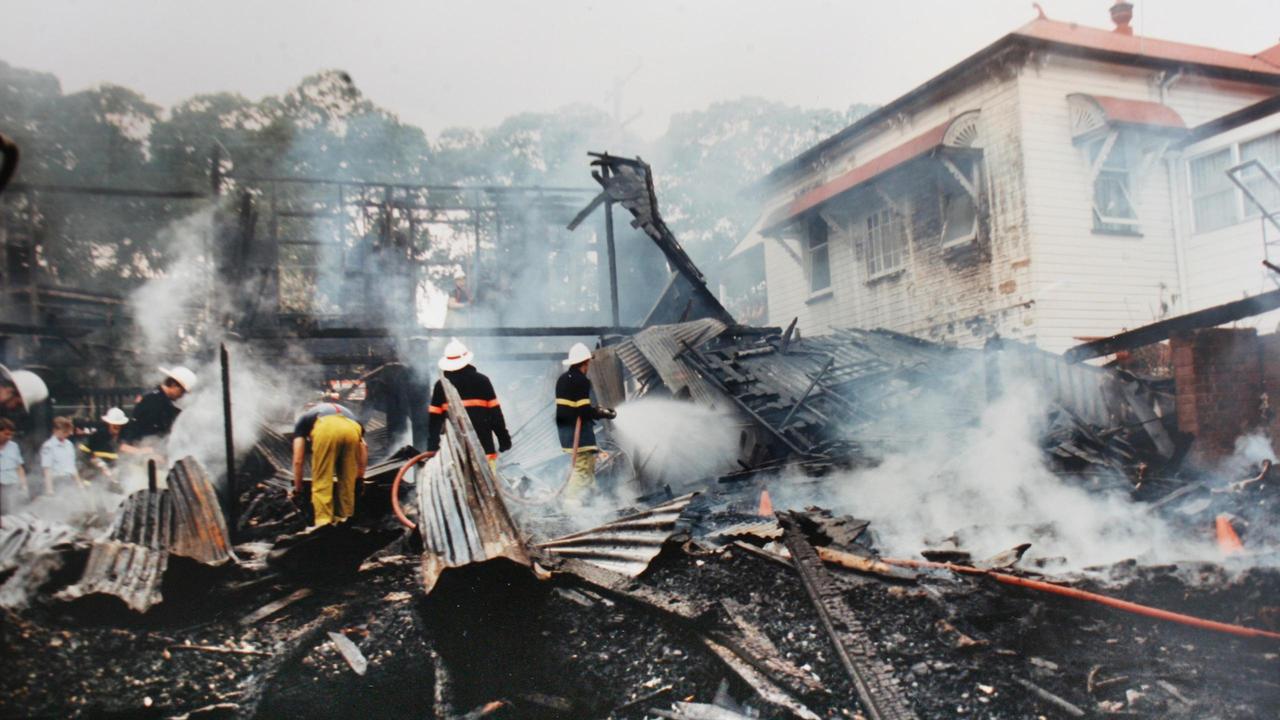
point(759, 682)
point(863, 564)
point(1155, 332)
point(770, 676)
point(872, 678)
point(756, 648)
point(275, 606)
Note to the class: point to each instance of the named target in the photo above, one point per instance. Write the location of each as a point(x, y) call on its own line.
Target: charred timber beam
point(358, 332)
point(1158, 331)
point(701, 364)
point(110, 192)
point(807, 391)
point(878, 690)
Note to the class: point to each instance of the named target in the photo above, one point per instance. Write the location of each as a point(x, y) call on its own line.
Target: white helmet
point(30, 387)
point(115, 416)
point(578, 353)
point(456, 356)
point(182, 375)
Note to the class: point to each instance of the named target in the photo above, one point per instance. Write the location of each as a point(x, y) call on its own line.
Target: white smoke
point(989, 485)
point(171, 307)
point(259, 392)
point(674, 442)
point(177, 315)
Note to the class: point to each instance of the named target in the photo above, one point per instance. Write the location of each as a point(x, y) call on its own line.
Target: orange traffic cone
point(1228, 540)
point(766, 505)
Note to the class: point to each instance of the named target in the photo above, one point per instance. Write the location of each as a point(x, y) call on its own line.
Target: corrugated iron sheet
point(462, 517)
point(626, 545)
point(641, 366)
point(183, 518)
point(24, 536)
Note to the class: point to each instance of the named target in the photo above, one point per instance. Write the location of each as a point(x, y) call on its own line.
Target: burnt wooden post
point(233, 498)
point(152, 480)
point(613, 257)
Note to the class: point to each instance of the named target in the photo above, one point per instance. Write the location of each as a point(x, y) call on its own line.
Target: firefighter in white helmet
point(478, 398)
point(20, 390)
point(155, 413)
point(575, 422)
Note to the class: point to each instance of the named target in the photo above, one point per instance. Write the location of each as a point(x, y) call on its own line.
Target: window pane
point(819, 269)
point(959, 217)
point(1214, 211)
point(1265, 150)
point(1209, 173)
point(1111, 195)
point(886, 243)
point(819, 257)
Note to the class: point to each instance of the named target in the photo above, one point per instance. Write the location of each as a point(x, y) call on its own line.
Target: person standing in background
point(58, 457)
point(13, 473)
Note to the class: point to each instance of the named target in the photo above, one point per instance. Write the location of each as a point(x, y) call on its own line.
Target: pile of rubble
point(693, 602)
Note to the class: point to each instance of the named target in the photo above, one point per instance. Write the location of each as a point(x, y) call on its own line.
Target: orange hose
point(1144, 610)
point(395, 490)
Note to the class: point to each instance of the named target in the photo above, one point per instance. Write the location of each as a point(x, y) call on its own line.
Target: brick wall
point(1221, 375)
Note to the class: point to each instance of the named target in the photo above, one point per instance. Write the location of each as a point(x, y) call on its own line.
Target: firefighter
point(339, 456)
point(575, 422)
point(102, 448)
point(155, 413)
point(459, 303)
point(478, 398)
point(19, 391)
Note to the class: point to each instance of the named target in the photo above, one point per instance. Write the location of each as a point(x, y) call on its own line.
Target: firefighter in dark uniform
point(478, 397)
point(102, 448)
point(575, 422)
point(155, 413)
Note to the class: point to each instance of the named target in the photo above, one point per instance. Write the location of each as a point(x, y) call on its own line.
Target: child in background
point(12, 472)
point(58, 457)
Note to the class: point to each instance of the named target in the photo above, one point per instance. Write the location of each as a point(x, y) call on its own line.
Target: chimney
point(1121, 14)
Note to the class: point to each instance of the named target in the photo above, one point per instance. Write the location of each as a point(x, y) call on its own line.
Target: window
point(1114, 209)
point(886, 243)
point(959, 207)
point(1213, 197)
point(1266, 150)
point(819, 256)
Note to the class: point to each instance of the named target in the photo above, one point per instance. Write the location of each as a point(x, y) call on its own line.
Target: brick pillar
point(1219, 378)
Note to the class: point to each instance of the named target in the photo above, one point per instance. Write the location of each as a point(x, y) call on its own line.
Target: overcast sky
point(472, 62)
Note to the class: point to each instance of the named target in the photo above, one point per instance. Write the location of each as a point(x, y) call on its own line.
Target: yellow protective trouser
point(335, 452)
point(583, 479)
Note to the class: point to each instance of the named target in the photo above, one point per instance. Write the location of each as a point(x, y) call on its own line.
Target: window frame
point(951, 187)
point(1249, 211)
point(1237, 216)
point(1099, 151)
point(810, 248)
point(869, 242)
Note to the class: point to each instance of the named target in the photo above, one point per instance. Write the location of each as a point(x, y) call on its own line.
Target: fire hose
point(1125, 605)
point(395, 489)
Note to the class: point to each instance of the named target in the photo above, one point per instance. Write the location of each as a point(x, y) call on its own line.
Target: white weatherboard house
point(1062, 183)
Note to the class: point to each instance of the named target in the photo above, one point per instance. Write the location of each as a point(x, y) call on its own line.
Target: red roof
point(1138, 112)
point(917, 146)
point(1108, 40)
